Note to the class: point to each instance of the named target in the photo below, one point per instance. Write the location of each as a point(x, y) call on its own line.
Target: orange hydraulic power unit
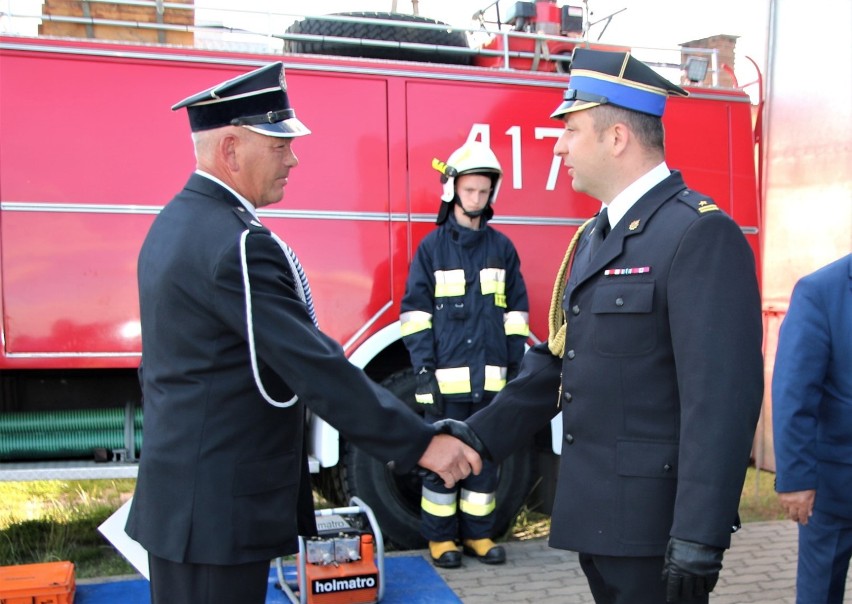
point(344, 564)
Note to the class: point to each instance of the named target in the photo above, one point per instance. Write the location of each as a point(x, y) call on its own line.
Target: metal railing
point(266, 32)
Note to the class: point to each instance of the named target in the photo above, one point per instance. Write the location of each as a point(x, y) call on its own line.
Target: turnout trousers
point(467, 510)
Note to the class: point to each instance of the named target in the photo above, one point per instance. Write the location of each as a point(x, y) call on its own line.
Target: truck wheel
point(378, 31)
point(395, 499)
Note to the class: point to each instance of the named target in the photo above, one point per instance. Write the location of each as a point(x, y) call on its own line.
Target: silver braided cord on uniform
point(255, 368)
point(302, 285)
point(303, 289)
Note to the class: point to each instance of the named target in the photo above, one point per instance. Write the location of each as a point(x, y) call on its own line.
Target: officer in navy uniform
point(654, 357)
point(231, 359)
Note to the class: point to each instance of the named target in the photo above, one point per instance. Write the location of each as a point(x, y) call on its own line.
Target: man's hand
point(690, 569)
point(428, 394)
point(450, 459)
point(799, 505)
point(464, 433)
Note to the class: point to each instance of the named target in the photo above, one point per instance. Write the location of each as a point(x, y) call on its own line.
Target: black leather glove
point(512, 372)
point(459, 430)
point(690, 569)
point(428, 394)
point(464, 433)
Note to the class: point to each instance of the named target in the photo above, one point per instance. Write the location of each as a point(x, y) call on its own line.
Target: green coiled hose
point(69, 434)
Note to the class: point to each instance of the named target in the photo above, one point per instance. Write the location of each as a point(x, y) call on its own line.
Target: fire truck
point(90, 152)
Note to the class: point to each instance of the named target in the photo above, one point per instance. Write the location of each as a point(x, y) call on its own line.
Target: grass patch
point(759, 501)
point(58, 520)
point(53, 520)
point(530, 524)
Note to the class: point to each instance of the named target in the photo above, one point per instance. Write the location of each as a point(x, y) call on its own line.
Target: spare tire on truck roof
point(330, 28)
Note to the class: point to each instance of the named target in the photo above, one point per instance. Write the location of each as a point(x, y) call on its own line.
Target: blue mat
point(408, 580)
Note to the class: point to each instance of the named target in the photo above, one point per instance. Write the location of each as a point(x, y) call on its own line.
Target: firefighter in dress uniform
point(465, 321)
point(232, 358)
point(654, 357)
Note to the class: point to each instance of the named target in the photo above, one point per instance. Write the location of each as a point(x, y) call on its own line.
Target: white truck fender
point(323, 439)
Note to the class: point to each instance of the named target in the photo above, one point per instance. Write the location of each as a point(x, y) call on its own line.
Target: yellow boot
point(445, 554)
point(486, 550)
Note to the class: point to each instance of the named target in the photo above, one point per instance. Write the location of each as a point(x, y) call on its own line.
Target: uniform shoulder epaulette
point(250, 221)
point(698, 201)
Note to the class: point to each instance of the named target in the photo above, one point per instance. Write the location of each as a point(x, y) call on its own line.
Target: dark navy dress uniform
point(659, 387)
point(227, 343)
point(660, 381)
point(231, 361)
point(641, 348)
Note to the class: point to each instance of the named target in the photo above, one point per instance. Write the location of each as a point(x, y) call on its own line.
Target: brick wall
point(725, 46)
point(88, 14)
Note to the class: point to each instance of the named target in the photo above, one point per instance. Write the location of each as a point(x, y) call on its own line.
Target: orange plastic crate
point(47, 583)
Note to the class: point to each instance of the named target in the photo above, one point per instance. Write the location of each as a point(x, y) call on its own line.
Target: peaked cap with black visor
point(257, 100)
point(599, 77)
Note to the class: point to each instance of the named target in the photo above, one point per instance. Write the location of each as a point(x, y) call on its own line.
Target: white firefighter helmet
point(473, 157)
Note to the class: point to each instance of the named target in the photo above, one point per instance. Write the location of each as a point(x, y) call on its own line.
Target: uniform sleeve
point(717, 333)
point(256, 296)
point(517, 321)
point(416, 310)
point(801, 364)
point(523, 407)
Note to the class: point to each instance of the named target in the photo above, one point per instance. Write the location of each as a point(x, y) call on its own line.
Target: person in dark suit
point(812, 428)
point(654, 357)
point(232, 357)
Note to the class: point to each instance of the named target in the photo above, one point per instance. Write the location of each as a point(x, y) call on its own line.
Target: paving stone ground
point(760, 568)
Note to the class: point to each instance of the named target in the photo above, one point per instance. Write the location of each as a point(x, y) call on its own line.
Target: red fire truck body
point(90, 152)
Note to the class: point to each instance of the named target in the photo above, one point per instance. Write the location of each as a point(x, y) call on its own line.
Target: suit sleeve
point(717, 333)
point(312, 364)
point(417, 310)
point(518, 306)
point(801, 363)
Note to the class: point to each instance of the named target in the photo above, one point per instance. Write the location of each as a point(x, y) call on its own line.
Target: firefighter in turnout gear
point(465, 320)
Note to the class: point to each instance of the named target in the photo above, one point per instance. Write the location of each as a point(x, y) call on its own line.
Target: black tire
point(379, 31)
point(395, 499)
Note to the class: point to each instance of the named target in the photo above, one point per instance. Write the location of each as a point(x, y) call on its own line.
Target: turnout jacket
point(660, 385)
point(465, 311)
point(226, 344)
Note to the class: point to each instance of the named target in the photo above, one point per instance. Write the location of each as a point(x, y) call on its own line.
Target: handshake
point(454, 453)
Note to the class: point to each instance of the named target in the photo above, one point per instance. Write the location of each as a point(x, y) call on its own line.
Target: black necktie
point(600, 231)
